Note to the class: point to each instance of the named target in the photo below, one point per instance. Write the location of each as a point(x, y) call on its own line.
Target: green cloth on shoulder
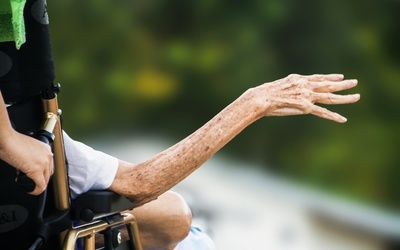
point(12, 26)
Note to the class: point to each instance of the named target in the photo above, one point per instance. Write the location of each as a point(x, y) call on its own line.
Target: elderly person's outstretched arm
point(292, 95)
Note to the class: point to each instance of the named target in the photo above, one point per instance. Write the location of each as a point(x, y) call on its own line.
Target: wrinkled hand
point(297, 94)
point(30, 156)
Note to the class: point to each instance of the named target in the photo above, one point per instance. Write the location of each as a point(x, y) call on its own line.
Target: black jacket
point(29, 70)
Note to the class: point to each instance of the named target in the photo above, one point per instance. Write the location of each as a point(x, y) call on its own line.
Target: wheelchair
point(51, 220)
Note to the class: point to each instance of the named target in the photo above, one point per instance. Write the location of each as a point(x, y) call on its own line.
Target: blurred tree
point(171, 65)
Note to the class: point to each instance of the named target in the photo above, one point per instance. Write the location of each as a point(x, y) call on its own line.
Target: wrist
point(6, 135)
point(254, 105)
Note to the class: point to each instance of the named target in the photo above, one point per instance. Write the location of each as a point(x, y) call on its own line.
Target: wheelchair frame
point(111, 220)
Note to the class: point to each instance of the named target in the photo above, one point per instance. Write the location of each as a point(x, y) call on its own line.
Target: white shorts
point(88, 169)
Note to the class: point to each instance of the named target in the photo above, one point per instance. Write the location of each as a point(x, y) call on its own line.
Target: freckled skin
point(150, 180)
point(292, 95)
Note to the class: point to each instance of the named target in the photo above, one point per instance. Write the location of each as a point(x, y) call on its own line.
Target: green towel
point(12, 27)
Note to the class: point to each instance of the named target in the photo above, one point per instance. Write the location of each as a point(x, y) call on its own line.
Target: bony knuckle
point(318, 76)
point(331, 87)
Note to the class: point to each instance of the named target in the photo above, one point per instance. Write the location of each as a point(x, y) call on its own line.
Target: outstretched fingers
point(323, 93)
point(329, 98)
point(327, 114)
point(328, 77)
point(333, 86)
point(296, 94)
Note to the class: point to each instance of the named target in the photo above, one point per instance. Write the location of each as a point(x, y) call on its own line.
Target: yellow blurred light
point(154, 85)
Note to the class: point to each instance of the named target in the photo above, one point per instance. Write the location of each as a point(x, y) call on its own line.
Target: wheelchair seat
point(23, 219)
point(101, 213)
point(97, 204)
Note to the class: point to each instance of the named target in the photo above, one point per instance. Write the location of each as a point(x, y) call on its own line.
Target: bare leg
point(163, 223)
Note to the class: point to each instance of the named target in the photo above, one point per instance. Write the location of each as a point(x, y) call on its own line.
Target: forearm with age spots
point(292, 95)
point(146, 181)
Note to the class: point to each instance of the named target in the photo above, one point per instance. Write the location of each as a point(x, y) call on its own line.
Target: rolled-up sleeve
point(88, 169)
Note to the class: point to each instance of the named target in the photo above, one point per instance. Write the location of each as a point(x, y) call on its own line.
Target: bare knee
point(164, 222)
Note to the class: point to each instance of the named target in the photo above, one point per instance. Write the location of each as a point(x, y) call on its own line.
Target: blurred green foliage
point(169, 66)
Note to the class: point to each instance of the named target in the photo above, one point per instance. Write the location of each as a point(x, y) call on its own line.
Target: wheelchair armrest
point(98, 203)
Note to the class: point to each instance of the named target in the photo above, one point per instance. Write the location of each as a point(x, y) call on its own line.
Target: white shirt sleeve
point(88, 169)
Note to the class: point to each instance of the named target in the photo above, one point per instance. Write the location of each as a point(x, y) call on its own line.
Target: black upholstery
point(98, 203)
point(20, 213)
point(24, 218)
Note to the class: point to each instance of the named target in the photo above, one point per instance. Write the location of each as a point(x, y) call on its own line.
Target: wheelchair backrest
point(20, 213)
point(25, 219)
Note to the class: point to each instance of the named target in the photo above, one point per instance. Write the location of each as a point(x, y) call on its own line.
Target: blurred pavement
point(242, 208)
